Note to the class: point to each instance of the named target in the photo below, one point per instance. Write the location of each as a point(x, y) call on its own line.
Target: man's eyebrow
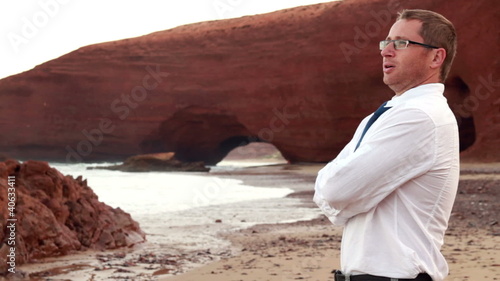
point(397, 38)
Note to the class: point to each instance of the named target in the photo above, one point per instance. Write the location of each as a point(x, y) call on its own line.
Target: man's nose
point(388, 51)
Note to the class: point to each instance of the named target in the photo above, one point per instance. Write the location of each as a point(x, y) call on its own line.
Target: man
point(393, 186)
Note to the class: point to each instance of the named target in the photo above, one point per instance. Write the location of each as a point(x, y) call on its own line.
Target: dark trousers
point(365, 277)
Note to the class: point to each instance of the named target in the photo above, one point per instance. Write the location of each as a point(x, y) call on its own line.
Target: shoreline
point(307, 249)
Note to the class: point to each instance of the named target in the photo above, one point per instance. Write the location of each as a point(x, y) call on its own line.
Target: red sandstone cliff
point(53, 215)
point(300, 79)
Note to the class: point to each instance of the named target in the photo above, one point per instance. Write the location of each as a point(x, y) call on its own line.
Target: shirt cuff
point(332, 214)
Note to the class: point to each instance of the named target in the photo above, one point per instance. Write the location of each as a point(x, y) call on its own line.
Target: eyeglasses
point(402, 44)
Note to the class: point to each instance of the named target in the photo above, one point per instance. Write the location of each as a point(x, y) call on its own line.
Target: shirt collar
point(419, 91)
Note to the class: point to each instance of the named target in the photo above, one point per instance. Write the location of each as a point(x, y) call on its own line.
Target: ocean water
point(151, 193)
point(188, 211)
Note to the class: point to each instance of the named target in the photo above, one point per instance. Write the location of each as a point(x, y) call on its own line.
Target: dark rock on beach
point(159, 162)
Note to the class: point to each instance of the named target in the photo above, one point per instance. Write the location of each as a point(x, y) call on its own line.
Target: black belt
point(365, 277)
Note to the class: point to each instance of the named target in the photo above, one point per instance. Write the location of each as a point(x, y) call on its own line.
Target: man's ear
point(438, 59)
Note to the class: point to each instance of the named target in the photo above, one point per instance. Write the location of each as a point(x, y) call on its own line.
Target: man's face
point(406, 68)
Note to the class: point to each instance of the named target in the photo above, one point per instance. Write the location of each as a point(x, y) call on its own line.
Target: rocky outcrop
point(300, 78)
point(53, 215)
point(159, 162)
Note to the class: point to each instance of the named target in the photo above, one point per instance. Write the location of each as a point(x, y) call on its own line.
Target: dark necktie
point(372, 120)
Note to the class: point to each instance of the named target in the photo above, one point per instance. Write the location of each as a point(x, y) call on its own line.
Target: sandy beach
point(310, 250)
point(304, 250)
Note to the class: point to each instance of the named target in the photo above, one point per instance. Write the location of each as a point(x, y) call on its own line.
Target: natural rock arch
point(301, 79)
point(199, 134)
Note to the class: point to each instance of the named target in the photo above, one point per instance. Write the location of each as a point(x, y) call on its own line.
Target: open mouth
point(387, 67)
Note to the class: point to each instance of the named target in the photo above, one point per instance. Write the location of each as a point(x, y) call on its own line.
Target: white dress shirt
point(394, 194)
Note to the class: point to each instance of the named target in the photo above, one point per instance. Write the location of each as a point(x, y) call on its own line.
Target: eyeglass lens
point(398, 44)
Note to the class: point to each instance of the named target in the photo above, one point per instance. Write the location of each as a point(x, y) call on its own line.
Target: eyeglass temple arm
point(421, 44)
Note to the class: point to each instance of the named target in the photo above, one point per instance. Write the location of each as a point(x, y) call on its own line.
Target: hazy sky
point(35, 31)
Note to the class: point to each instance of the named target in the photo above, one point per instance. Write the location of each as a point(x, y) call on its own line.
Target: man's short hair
point(436, 31)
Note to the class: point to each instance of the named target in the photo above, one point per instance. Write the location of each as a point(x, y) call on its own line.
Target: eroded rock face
point(301, 79)
point(56, 215)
